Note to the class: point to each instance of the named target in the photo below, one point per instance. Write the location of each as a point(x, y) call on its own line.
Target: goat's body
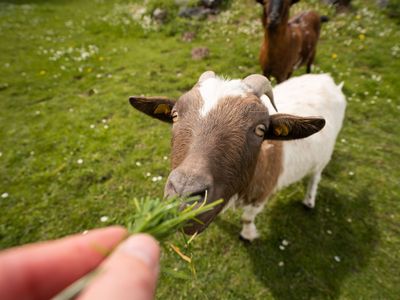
point(283, 163)
point(290, 45)
point(310, 95)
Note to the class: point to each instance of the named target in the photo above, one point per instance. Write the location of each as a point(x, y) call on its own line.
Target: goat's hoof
point(244, 240)
point(308, 206)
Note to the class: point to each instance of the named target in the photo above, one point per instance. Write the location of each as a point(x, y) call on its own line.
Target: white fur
point(265, 100)
point(310, 95)
point(231, 203)
point(307, 95)
point(214, 89)
point(249, 230)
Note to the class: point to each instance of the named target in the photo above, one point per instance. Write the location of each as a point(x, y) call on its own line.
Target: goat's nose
point(186, 183)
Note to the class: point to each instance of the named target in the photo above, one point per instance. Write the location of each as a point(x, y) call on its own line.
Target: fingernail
point(144, 248)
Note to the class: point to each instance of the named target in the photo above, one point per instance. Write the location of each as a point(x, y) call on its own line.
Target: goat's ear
point(156, 107)
point(289, 127)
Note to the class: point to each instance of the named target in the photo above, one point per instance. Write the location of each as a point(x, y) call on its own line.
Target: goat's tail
point(324, 19)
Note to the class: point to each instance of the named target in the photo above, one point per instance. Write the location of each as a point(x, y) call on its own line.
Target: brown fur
point(266, 174)
point(288, 44)
point(222, 140)
point(221, 154)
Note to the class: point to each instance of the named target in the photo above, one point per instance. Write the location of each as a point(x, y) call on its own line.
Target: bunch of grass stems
point(158, 217)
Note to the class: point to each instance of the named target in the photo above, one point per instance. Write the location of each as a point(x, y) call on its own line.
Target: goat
point(287, 45)
point(227, 143)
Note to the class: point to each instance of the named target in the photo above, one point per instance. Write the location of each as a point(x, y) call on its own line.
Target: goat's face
point(274, 10)
point(218, 129)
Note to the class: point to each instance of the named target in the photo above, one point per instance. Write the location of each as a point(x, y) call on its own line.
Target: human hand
point(40, 271)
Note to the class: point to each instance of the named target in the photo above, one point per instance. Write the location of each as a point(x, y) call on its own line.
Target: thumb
point(129, 273)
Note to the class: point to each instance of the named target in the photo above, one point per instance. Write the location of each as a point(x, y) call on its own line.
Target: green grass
point(49, 101)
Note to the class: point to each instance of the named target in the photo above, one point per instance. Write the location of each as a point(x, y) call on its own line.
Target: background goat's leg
point(310, 62)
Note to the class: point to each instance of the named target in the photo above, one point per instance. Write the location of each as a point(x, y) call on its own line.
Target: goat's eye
point(260, 130)
point(174, 116)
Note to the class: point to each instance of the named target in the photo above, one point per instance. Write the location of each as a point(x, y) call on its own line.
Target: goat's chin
point(203, 220)
point(272, 25)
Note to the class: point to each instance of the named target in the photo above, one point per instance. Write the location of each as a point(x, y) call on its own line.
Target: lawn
point(74, 154)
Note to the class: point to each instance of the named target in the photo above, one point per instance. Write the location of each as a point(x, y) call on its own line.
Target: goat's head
point(218, 128)
point(273, 10)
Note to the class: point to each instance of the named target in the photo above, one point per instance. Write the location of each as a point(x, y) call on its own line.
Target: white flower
point(165, 157)
point(156, 178)
point(104, 219)
point(285, 243)
point(32, 153)
point(349, 220)
point(37, 112)
point(329, 232)
point(104, 121)
point(351, 173)
point(79, 161)
point(138, 163)
point(85, 232)
point(92, 126)
point(281, 247)
point(148, 174)
point(337, 258)
point(4, 195)
point(1, 154)
point(343, 140)
point(281, 264)
point(105, 126)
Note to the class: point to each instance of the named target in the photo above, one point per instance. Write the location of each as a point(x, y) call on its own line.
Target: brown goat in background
point(287, 44)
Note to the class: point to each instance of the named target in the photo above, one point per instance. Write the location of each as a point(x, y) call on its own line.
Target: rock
point(188, 36)
point(195, 12)
point(200, 53)
point(160, 15)
point(341, 5)
point(211, 3)
point(382, 3)
point(338, 2)
point(182, 2)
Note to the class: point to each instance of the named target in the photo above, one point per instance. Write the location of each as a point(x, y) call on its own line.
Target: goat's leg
point(249, 230)
point(310, 62)
point(309, 200)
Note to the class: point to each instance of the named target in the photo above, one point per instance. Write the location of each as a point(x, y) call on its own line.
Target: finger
point(39, 271)
point(129, 273)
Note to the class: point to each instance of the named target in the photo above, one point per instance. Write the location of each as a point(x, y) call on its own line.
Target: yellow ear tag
point(277, 131)
point(281, 130)
point(162, 109)
point(285, 130)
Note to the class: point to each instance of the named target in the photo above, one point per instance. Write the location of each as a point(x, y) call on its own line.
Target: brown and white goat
point(227, 142)
point(287, 44)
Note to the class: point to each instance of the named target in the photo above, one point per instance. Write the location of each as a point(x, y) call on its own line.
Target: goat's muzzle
point(183, 183)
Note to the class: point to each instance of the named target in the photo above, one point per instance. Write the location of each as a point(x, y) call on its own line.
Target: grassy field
point(73, 153)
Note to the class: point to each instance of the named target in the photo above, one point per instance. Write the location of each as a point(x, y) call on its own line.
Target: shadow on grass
point(325, 245)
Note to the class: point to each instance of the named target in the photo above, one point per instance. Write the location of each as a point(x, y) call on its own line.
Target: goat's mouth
point(273, 22)
point(204, 219)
